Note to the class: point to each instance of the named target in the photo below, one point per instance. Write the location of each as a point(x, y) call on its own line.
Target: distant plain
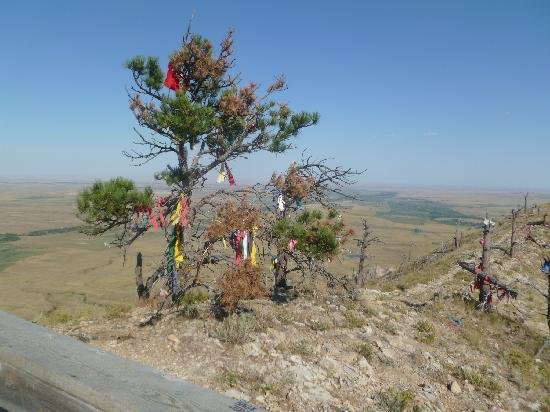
point(52, 273)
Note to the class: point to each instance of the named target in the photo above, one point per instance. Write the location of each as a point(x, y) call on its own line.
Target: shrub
point(318, 325)
point(366, 351)
point(425, 332)
point(394, 400)
point(238, 283)
point(192, 297)
point(353, 321)
point(236, 329)
point(116, 310)
point(488, 385)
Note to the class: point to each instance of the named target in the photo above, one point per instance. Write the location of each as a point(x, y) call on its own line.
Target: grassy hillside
point(409, 342)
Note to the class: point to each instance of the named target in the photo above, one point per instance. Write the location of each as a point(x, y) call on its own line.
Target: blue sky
point(417, 92)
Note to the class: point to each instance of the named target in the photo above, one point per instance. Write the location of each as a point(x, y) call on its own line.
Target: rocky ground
point(418, 343)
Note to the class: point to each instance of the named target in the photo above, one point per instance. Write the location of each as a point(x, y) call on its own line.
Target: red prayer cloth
point(171, 80)
point(230, 176)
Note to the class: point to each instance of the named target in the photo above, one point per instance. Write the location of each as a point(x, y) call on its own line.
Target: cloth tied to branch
point(483, 280)
point(180, 214)
point(253, 249)
point(242, 242)
point(230, 175)
point(487, 222)
point(172, 81)
point(222, 175)
point(292, 244)
point(148, 211)
point(280, 203)
point(159, 204)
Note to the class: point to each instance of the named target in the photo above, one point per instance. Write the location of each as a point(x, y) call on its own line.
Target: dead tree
point(525, 202)
point(457, 239)
point(484, 288)
point(363, 243)
point(513, 242)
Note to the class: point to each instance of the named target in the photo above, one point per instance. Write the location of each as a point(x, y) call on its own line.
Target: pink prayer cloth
point(292, 244)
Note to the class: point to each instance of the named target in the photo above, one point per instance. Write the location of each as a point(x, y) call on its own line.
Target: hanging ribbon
point(238, 248)
point(254, 250)
point(159, 205)
point(230, 175)
point(180, 214)
point(221, 175)
point(244, 244)
point(171, 252)
point(178, 249)
point(153, 219)
point(176, 215)
point(175, 282)
point(292, 244)
point(147, 211)
point(184, 210)
point(171, 80)
point(281, 203)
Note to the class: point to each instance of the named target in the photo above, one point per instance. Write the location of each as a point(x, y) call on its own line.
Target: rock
point(427, 355)
point(320, 394)
point(252, 349)
point(428, 391)
point(296, 359)
point(534, 406)
point(329, 363)
point(468, 386)
point(367, 330)
point(174, 342)
point(365, 366)
point(301, 373)
point(454, 387)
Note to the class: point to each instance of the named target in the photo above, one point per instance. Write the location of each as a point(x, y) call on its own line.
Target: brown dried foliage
point(231, 217)
point(240, 283)
point(194, 61)
point(292, 185)
point(239, 103)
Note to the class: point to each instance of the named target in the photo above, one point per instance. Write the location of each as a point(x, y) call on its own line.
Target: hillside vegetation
point(413, 341)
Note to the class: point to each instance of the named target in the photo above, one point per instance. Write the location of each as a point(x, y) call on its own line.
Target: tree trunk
point(456, 239)
point(360, 280)
point(525, 203)
point(280, 271)
point(513, 235)
point(142, 291)
point(484, 290)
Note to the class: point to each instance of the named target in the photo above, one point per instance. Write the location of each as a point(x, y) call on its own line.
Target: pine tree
point(199, 114)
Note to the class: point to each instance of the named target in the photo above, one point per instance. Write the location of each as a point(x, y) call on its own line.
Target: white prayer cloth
point(281, 203)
